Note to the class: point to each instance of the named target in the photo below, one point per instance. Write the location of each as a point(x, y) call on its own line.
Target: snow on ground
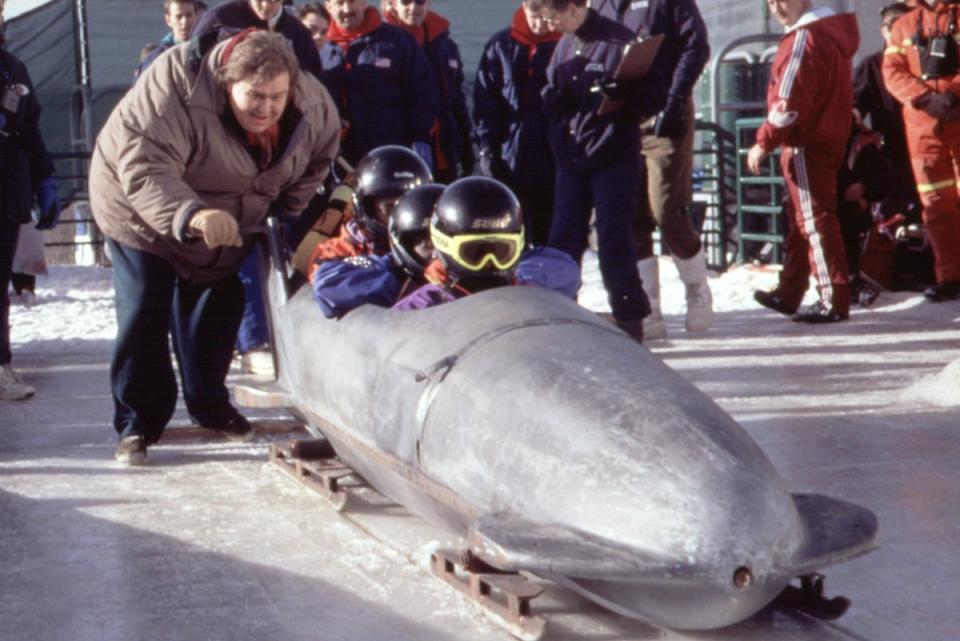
point(74, 305)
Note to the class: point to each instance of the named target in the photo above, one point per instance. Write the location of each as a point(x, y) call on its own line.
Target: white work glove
point(216, 227)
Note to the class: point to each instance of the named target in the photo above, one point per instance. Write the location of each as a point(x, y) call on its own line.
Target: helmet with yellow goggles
point(477, 252)
point(477, 230)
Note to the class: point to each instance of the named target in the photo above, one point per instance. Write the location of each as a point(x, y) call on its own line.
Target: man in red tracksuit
point(921, 68)
point(809, 102)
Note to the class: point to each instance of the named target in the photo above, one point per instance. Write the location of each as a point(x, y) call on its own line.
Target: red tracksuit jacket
point(810, 96)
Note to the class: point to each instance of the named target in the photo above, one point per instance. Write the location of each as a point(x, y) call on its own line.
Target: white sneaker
point(653, 326)
point(693, 273)
point(12, 387)
point(699, 307)
point(258, 361)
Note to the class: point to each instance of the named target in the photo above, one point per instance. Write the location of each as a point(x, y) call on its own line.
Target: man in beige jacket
point(189, 162)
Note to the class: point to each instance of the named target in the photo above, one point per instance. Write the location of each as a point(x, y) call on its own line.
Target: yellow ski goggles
point(476, 251)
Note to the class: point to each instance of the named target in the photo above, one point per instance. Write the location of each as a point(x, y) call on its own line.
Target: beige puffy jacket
point(167, 150)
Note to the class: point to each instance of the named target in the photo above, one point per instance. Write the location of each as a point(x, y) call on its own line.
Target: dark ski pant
point(9, 234)
point(612, 191)
point(153, 303)
point(254, 330)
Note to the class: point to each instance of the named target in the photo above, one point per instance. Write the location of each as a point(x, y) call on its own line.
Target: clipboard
point(636, 62)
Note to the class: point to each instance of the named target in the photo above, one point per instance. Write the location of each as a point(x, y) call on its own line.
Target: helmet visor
point(476, 251)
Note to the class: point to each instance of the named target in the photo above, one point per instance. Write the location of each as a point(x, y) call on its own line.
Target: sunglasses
point(476, 251)
point(408, 2)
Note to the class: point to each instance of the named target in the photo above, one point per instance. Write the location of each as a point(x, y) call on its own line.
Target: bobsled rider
point(477, 234)
point(378, 181)
point(342, 285)
point(921, 68)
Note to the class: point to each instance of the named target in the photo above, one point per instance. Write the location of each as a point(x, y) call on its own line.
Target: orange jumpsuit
point(934, 145)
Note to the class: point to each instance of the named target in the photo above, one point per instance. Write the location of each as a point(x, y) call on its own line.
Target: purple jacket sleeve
point(551, 269)
point(426, 296)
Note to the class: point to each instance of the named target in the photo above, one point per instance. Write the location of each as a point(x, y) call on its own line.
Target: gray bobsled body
point(559, 446)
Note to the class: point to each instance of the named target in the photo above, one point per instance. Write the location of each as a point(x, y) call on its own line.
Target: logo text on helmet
point(502, 222)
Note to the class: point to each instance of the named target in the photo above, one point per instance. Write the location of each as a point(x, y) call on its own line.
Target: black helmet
point(410, 225)
point(477, 231)
point(385, 172)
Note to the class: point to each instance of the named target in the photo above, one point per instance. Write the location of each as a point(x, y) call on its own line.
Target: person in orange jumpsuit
point(921, 68)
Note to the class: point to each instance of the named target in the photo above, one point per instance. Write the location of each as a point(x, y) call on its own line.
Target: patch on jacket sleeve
point(382, 63)
point(363, 262)
point(779, 116)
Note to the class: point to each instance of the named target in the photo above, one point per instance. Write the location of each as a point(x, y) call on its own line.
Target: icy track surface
point(210, 542)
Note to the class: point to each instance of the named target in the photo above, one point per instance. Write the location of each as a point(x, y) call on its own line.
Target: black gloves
point(48, 204)
point(942, 106)
point(612, 89)
point(559, 103)
point(493, 166)
point(672, 121)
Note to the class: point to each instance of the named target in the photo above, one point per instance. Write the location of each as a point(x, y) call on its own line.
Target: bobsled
point(556, 445)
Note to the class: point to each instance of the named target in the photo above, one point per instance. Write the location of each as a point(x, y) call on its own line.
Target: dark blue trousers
point(612, 191)
point(9, 233)
point(154, 303)
point(254, 330)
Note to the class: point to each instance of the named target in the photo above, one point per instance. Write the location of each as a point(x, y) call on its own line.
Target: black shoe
point(237, 429)
point(634, 328)
point(818, 313)
point(867, 295)
point(132, 450)
point(772, 300)
point(943, 291)
point(862, 291)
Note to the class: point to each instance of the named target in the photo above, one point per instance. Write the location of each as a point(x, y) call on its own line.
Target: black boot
point(949, 290)
point(818, 313)
point(772, 300)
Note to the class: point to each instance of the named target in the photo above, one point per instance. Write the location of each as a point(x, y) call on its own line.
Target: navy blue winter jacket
point(24, 161)
point(233, 17)
point(383, 85)
point(684, 51)
point(507, 106)
point(455, 129)
point(582, 139)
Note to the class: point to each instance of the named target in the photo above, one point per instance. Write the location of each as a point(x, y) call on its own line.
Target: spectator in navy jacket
point(597, 155)
point(452, 137)
point(235, 16)
point(511, 126)
point(667, 150)
point(26, 176)
point(382, 81)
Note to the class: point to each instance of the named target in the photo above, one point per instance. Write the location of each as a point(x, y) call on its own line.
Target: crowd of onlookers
point(350, 123)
